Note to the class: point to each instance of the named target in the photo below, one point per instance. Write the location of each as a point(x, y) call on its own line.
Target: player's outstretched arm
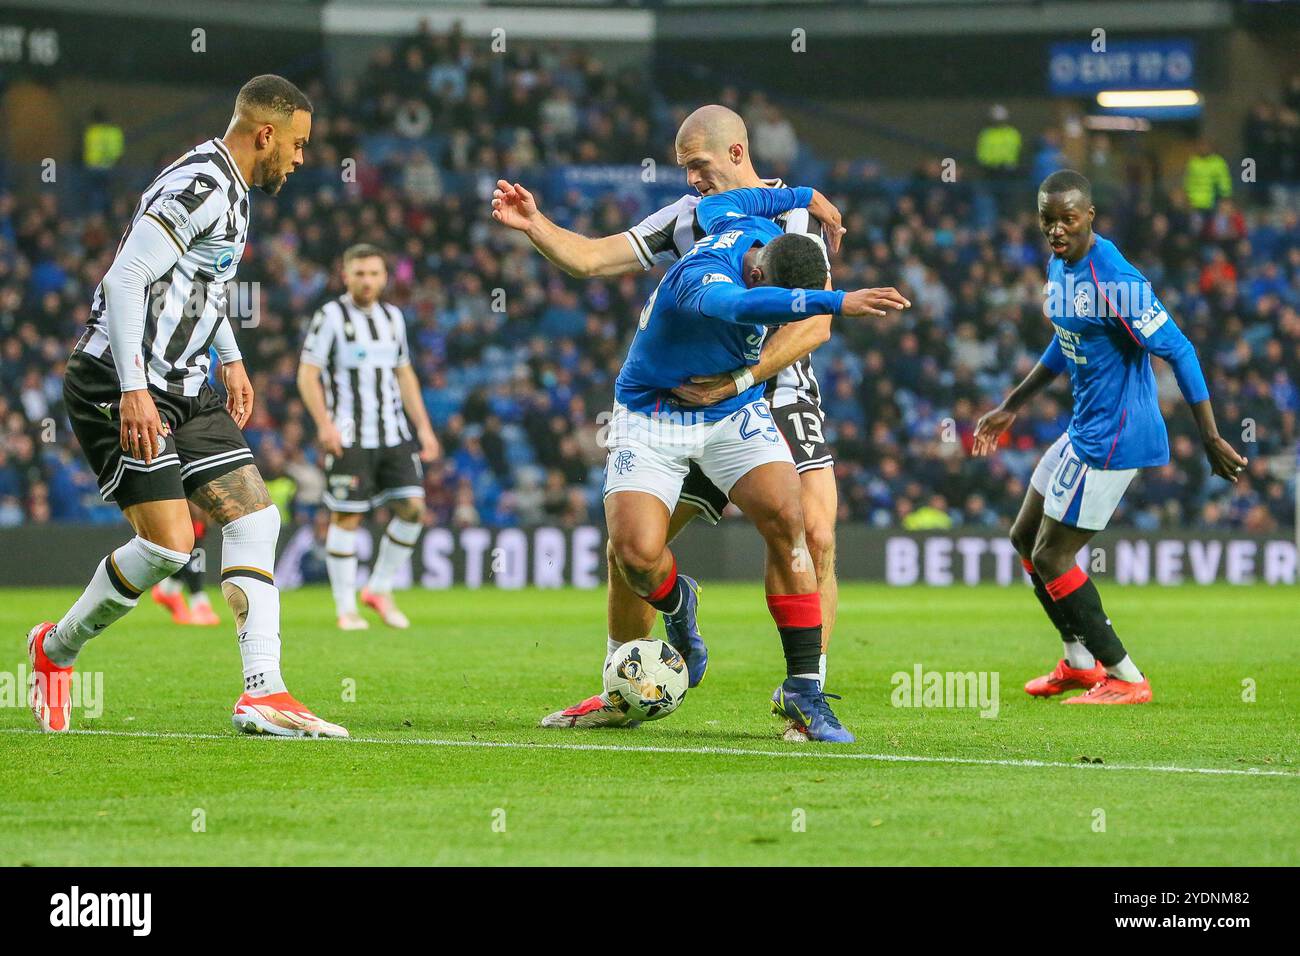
point(580, 256)
point(767, 202)
point(763, 202)
point(762, 305)
point(787, 345)
point(772, 305)
point(994, 423)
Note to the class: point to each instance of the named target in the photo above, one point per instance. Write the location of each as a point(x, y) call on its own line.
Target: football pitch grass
point(449, 766)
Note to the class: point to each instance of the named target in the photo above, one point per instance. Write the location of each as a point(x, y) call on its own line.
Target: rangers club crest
point(1082, 305)
point(624, 462)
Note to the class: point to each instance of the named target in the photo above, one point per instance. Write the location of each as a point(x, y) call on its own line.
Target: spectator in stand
point(1206, 179)
point(997, 149)
point(518, 360)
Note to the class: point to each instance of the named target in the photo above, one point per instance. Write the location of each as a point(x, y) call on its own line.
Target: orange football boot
point(1064, 678)
point(48, 685)
point(203, 615)
point(385, 607)
point(280, 715)
point(1112, 690)
point(174, 603)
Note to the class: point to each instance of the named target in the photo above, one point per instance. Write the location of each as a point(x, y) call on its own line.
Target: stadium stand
point(515, 383)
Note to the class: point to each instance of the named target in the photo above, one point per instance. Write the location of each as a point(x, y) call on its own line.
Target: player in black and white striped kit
point(713, 147)
point(357, 382)
point(155, 432)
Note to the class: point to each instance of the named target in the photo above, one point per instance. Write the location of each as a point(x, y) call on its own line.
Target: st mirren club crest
point(1082, 305)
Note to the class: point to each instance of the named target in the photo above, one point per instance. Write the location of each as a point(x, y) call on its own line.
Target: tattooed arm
point(233, 495)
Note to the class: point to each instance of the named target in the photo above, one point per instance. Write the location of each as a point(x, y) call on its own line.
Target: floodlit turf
point(482, 667)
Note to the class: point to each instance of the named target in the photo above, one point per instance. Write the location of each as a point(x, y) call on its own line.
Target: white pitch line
point(719, 751)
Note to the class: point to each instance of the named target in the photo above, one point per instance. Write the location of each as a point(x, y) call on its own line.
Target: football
point(646, 679)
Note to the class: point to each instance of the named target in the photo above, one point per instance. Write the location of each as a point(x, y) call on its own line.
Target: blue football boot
point(801, 701)
point(684, 633)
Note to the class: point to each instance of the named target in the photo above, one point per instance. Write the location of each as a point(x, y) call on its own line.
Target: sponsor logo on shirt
point(173, 213)
point(1071, 345)
point(1150, 321)
point(712, 277)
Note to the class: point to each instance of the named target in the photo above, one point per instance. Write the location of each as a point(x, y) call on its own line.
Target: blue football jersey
point(1108, 324)
point(702, 320)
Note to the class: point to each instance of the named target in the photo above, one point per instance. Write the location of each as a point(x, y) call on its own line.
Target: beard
point(269, 180)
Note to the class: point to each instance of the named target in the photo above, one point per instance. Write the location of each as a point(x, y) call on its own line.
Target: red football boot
point(1064, 678)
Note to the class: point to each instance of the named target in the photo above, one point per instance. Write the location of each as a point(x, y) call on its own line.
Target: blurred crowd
point(517, 360)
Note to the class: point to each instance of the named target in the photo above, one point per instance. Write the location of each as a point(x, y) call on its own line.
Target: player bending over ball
point(1108, 324)
point(712, 145)
point(705, 317)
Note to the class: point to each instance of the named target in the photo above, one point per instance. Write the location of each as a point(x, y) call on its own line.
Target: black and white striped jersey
point(358, 351)
point(200, 203)
point(666, 235)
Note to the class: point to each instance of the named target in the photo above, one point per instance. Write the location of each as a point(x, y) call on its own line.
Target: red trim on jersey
point(1027, 565)
point(796, 610)
point(1123, 415)
point(1097, 282)
point(1067, 583)
point(664, 589)
point(200, 528)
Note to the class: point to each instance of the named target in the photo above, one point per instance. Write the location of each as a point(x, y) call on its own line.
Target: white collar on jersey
point(377, 304)
point(224, 150)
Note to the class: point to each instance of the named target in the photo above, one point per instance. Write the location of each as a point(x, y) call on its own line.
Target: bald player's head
point(713, 148)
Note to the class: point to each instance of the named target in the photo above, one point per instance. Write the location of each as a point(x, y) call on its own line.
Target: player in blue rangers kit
point(712, 147)
point(1108, 324)
point(701, 320)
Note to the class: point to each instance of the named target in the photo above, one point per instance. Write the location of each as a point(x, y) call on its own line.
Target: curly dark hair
point(795, 262)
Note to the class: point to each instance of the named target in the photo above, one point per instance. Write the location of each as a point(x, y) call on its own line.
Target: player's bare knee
point(820, 538)
point(1048, 562)
point(1022, 539)
point(782, 523)
point(346, 520)
point(409, 509)
point(178, 538)
point(638, 558)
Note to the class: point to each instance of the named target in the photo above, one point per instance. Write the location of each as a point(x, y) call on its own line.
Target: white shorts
point(1076, 494)
point(653, 453)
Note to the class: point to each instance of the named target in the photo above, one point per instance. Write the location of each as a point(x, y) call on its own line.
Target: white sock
point(1125, 670)
point(341, 563)
point(200, 599)
point(169, 586)
point(1078, 656)
point(394, 551)
point(113, 590)
point(248, 583)
point(611, 646)
point(821, 670)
